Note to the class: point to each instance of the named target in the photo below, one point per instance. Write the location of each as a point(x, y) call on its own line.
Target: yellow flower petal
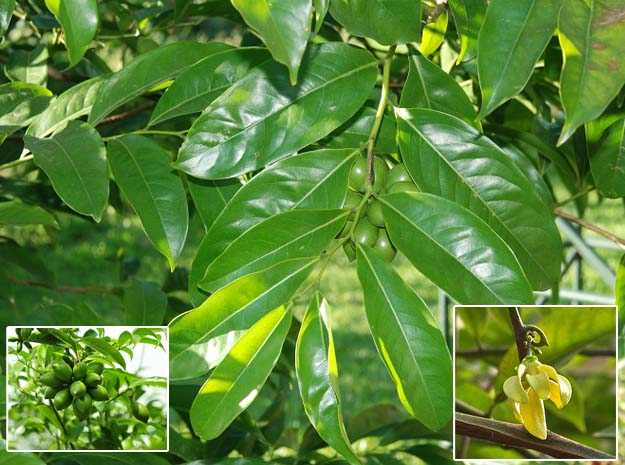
point(551, 371)
point(540, 383)
point(517, 411)
point(513, 388)
point(566, 391)
point(533, 414)
point(555, 394)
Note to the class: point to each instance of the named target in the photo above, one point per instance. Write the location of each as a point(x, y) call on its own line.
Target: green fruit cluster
point(140, 411)
point(370, 229)
point(75, 383)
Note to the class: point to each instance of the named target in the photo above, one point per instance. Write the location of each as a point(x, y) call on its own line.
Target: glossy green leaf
point(148, 70)
point(317, 376)
point(321, 9)
point(475, 173)
point(75, 161)
point(607, 161)
point(311, 180)
point(206, 80)
point(514, 35)
point(79, 19)
point(30, 66)
point(461, 21)
point(455, 249)
point(19, 104)
point(434, 33)
point(142, 170)
point(200, 337)
point(106, 349)
point(211, 197)
point(297, 233)
point(428, 86)
point(386, 21)
point(16, 213)
point(6, 11)
point(591, 36)
point(145, 304)
point(355, 132)
point(284, 26)
point(24, 458)
point(71, 104)
point(237, 380)
point(475, 11)
point(619, 294)
point(231, 136)
point(408, 339)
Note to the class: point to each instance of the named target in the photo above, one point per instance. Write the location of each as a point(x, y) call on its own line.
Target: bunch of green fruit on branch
point(366, 223)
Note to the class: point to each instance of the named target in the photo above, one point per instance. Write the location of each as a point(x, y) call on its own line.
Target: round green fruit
point(90, 333)
point(374, 214)
point(140, 412)
point(80, 370)
point(62, 371)
point(78, 389)
point(397, 174)
point(50, 392)
point(358, 175)
point(92, 379)
point(62, 399)
point(350, 250)
point(99, 393)
point(380, 171)
point(50, 379)
point(96, 367)
point(404, 186)
point(24, 333)
point(365, 233)
point(384, 247)
point(82, 406)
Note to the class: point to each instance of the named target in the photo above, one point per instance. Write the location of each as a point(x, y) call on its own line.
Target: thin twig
point(519, 332)
point(585, 224)
point(126, 114)
point(17, 162)
point(58, 417)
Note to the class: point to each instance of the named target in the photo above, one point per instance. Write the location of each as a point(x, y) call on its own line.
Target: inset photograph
point(87, 389)
point(535, 382)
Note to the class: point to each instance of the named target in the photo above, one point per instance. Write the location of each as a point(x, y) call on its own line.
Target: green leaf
point(293, 234)
point(16, 213)
point(334, 81)
point(200, 337)
point(107, 350)
point(619, 294)
point(30, 66)
point(148, 70)
point(6, 11)
point(455, 249)
point(25, 258)
point(284, 26)
point(386, 21)
point(607, 161)
point(23, 458)
point(145, 304)
point(408, 339)
point(428, 86)
point(200, 84)
point(75, 161)
point(461, 22)
point(514, 35)
point(434, 33)
point(211, 197)
point(591, 36)
point(100, 458)
point(475, 11)
point(142, 170)
point(475, 173)
point(237, 380)
point(19, 104)
point(311, 180)
point(317, 376)
point(321, 9)
point(71, 104)
point(79, 19)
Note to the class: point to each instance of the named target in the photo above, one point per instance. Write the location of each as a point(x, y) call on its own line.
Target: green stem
point(180, 134)
point(575, 197)
point(379, 114)
point(17, 162)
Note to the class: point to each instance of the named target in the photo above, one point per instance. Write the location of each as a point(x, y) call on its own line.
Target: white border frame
point(21, 451)
point(493, 460)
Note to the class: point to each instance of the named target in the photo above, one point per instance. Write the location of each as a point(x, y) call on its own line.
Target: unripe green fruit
point(350, 250)
point(80, 370)
point(358, 174)
point(82, 406)
point(99, 393)
point(402, 187)
point(380, 170)
point(24, 333)
point(62, 399)
point(78, 389)
point(69, 360)
point(92, 379)
point(397, 174)
point(90, 333)
point(50, 392)
point(96, 367)
point(374, 214)
point(384, 247)
point(140, 412)
point(62, 371)
point(365, 233)
point(50, 379)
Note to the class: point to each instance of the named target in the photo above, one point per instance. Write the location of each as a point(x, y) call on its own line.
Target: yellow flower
point(530, 387)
